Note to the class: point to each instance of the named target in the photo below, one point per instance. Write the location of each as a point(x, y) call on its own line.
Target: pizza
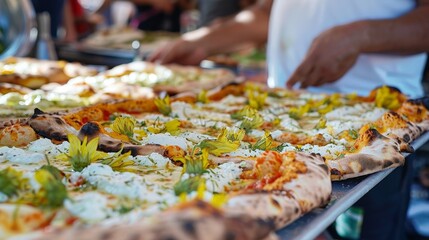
point(33, 73)
point(121, 38)
point(238, 161)
point(55, 91)
point(171, 78)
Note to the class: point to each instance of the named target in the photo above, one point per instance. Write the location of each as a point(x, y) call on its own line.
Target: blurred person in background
point(78, 23)
point(331, 46)
point(158, 15)
point(343, 48)
point(55, 10)
point(215, 11)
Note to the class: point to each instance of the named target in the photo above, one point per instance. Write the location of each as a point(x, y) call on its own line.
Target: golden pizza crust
point(373, 152)
point(17, 135)
point(302, 184)
point(193, 220)
point(34, 73)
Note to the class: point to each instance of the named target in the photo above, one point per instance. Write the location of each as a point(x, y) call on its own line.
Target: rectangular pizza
point(236, 162)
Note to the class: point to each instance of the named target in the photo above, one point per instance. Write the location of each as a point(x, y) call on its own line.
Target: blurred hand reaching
point(179, 51)
point(330, 56)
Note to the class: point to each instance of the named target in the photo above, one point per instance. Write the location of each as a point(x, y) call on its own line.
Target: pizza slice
point(34, 73)
point(372, 152)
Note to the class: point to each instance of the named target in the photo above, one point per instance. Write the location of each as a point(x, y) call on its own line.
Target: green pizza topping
point(82, 154)
point(163, 105)
point(11, 182)
point(264, 143)
point(227, 141)
point(52, 192)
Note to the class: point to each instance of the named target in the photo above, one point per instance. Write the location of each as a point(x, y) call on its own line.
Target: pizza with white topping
point(236, 162)
point(26, 84)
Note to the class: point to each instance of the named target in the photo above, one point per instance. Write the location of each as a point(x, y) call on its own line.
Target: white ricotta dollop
point(245, 153)
point(221, 176)
point(44, 145)
point(20, 156)
point(167, 139)
point(126, 184)
point(330, 151)
point(90, 207)
point(289, 123)
point(195, 137)
point(339, 126)
point(152, 160)
point(186, 111)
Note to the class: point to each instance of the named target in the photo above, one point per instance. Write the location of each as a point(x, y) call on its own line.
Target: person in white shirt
point(331, 46)
point(323, 45)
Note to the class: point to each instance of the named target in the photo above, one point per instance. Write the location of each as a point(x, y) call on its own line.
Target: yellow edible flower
point(252, 123)
point(299, 112)
point(218, 200)
point(124, 125)
point(171, 127)
point(225, 143)
point(120, 162)
point(264, 143)
point(202, 97)
point(11, 181)
point(201, 189)
point(250, 86)
point(256, 99)
point(250, 117)
point(196, 163)
point(163, 105)
point(321, 124)
point(82, 154)
point(52, 192)
point(183, 187)
point(385, 98)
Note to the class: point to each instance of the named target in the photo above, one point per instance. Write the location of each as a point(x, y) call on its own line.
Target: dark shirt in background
point(55, 10)
point(212, 9)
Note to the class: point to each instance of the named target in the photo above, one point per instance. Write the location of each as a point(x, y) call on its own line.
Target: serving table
point(344, 195)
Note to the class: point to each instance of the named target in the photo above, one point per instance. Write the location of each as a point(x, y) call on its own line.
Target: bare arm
point(250, 25)
point(68, 23)
point(407, 34)
point(336, 50)
point(163, 5)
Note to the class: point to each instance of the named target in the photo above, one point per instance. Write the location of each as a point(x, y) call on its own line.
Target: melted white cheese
point(186, 111)
point(195, 137)
point(221, 176)
point(126, 184)
point(165, 139)
point(339, 126)
point(275, 134)
point(289, 123)
point(287, 147)
point(245, 153)
point(363, 112)
point(152, 160)
point(90, 207)
point(208, 123)
point(330, 150)
point(20, 156)
point(44, 145)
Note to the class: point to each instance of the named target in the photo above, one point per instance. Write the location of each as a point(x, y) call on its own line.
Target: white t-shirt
point(295, 23)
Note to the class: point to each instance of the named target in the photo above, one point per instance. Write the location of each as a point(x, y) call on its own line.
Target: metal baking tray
point(344, 195)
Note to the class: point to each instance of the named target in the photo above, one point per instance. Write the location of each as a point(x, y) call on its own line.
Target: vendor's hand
point(180, 51)
point(330, 56)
